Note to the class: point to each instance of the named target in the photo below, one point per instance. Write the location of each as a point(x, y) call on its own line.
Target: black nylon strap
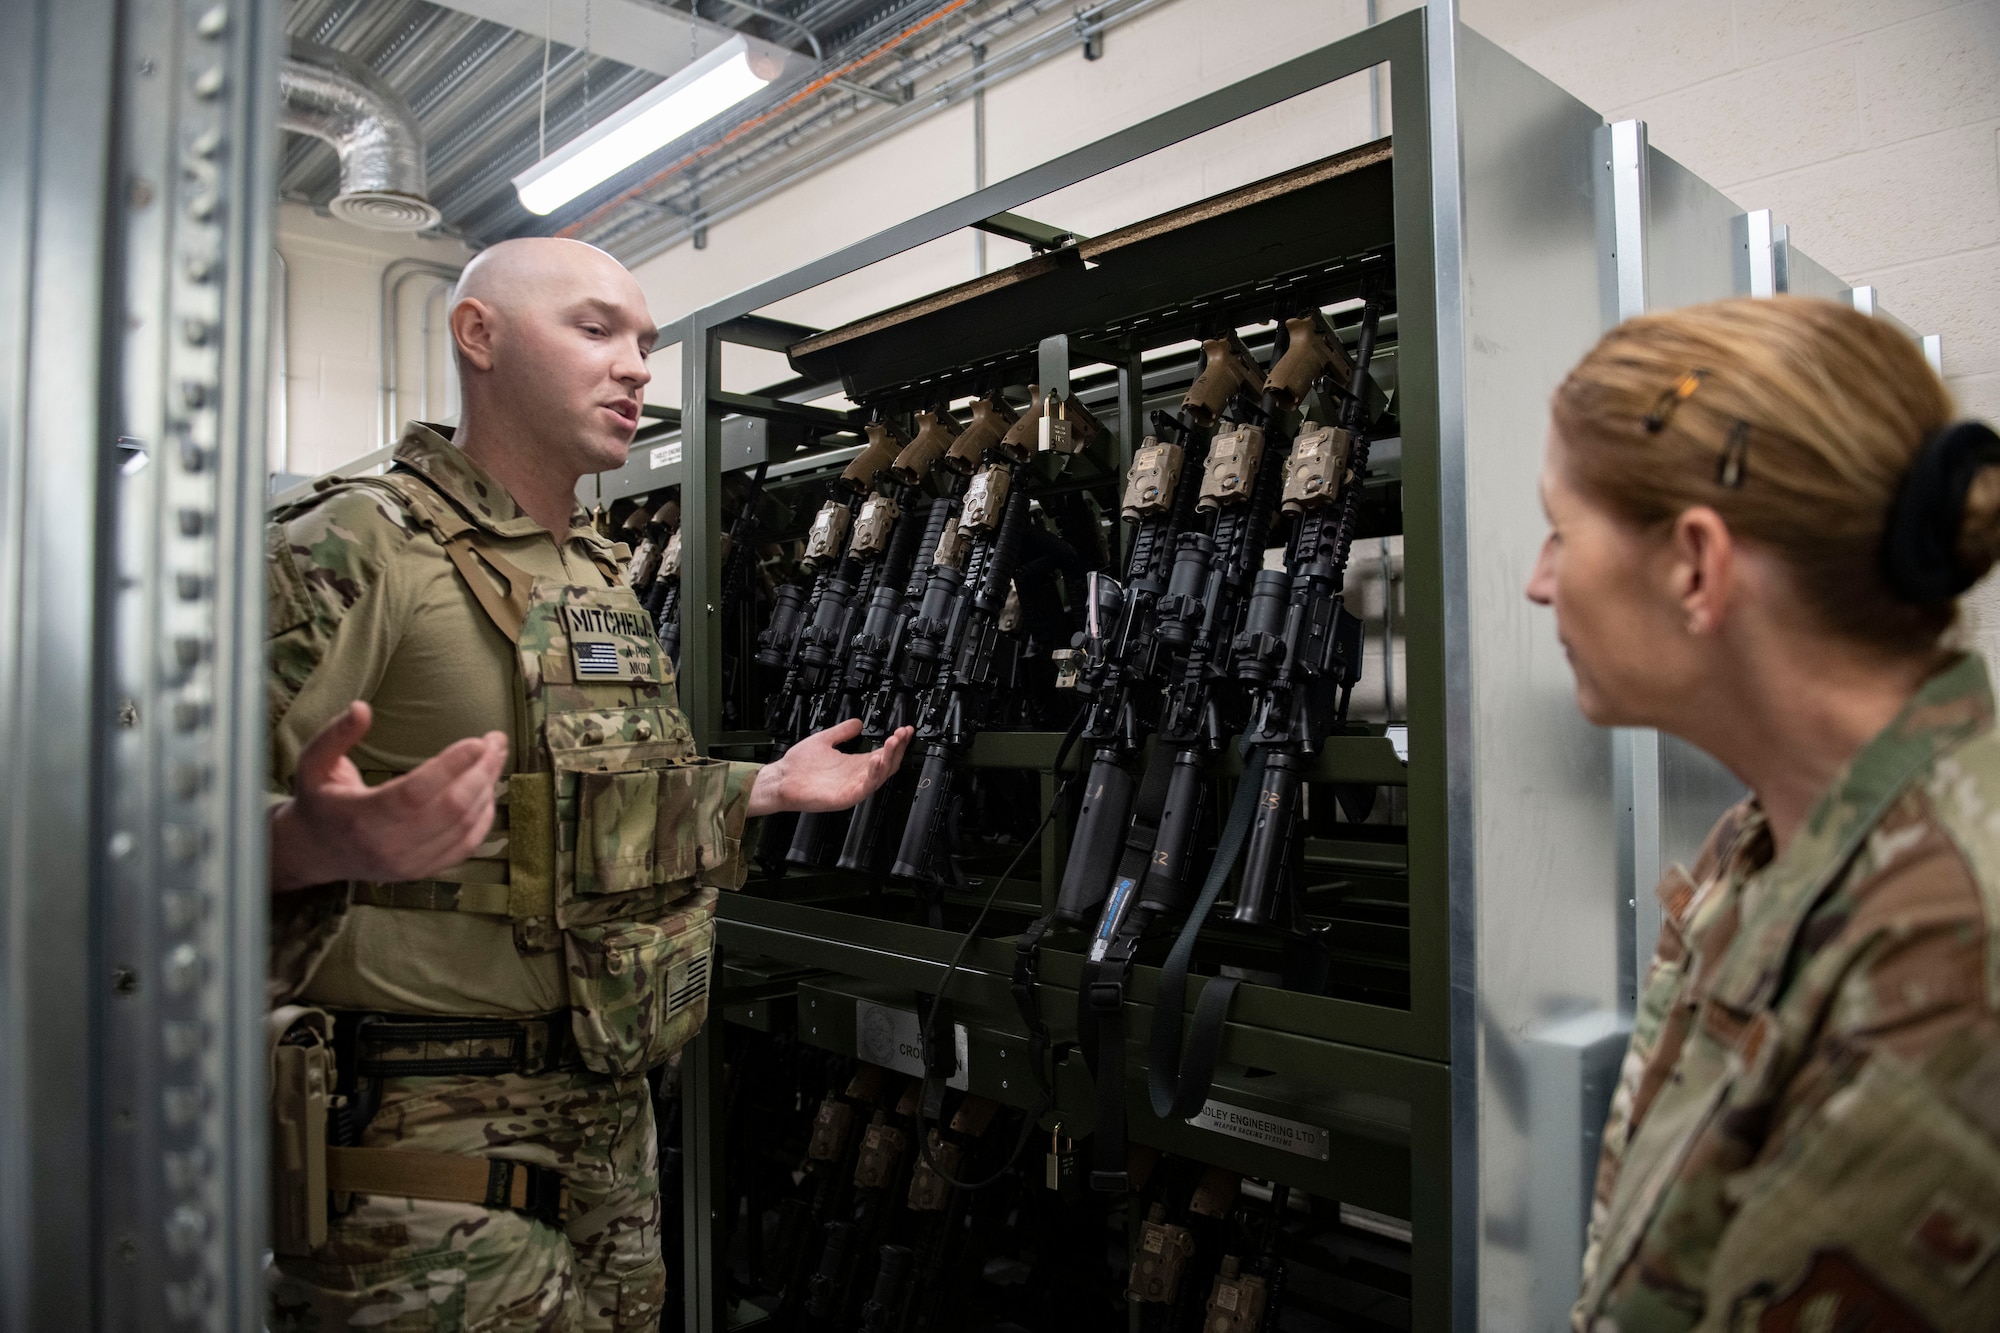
point(1106, 992)
point(1178, 1090)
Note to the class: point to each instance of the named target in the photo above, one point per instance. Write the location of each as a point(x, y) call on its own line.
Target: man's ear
point(472, 332)
point(1704, 568)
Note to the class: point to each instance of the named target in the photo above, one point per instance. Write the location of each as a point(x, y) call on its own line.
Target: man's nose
point(632, 370)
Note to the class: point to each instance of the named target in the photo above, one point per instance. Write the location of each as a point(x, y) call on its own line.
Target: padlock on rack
point(1066, 427)
point(1063, 1174)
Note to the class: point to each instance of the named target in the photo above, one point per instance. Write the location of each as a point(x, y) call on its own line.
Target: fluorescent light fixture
point(695, 96)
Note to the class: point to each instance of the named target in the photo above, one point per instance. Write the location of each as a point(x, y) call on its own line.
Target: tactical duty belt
point(376, 1045)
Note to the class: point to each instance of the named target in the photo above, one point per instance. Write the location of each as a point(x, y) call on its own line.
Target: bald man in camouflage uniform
point(495, 851)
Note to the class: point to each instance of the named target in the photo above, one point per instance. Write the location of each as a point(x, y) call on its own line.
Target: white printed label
point(1256, 1127)
point(891, 1037)
point(666, 454)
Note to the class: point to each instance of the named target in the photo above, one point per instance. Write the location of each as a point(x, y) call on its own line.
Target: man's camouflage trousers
point(395, 1265)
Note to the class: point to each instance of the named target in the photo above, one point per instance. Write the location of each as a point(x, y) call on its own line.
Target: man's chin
point(608, 454)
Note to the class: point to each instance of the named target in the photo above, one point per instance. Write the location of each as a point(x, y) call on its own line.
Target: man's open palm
point(337, 827)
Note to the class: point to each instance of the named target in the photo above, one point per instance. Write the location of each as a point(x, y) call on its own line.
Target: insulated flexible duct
point(333, 97)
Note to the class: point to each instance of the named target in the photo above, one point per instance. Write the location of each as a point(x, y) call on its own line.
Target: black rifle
point(881, 651)
point(739, 555)
point(1213, 564)
point(882, 1312)
point(954, 658)
point(886, 539)
point(891, 704)
point(644, 530)
point(1301, 647)
point(802, 642)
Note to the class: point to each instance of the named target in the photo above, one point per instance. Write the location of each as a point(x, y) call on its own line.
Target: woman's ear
point(1702, 569)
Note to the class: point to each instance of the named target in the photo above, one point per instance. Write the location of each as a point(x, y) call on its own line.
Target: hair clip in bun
point(1920, 544)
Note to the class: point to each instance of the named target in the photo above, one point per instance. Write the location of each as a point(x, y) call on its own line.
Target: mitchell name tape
point(1272, 1131)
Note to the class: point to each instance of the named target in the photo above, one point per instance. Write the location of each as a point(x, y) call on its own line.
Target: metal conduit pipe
point(394, 275)
point(333, 97)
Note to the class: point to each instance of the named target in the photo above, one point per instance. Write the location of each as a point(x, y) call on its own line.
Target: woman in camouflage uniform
point(1761, 517)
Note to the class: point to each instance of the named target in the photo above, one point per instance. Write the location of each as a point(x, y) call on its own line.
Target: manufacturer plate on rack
point(1270, 1131)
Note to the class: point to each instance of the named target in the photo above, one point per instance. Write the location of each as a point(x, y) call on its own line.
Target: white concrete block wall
point(1870, 127)
point(333, 344)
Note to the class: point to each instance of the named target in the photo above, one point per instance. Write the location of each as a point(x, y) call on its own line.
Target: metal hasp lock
point(1164, 1250)
point(929, 1190)
point(881, 1153)
point(1066, 427)
point(1237, 1300)
point(1062, 1175)
point(831, 1125)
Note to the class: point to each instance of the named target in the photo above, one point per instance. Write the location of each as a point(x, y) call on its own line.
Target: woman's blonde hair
point(1798, 421)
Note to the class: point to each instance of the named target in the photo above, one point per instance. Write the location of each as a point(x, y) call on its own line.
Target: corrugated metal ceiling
point(475, 87)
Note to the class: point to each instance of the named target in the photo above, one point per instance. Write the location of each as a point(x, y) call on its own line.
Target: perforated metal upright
point(137, 175)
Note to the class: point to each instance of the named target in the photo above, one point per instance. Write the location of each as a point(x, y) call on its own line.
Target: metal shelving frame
point(1379, 1057)
point(1524, 226)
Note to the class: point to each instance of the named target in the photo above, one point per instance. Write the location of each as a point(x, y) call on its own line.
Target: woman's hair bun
point(1937, 543)
point(1978, 545)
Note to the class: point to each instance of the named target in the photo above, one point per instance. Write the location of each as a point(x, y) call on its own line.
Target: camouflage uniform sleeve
point(1660, 1001)
point(331, 627)
point(722, 811)
point(1876, 1198)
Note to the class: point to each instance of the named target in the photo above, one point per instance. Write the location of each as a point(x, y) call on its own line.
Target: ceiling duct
point(331, 96)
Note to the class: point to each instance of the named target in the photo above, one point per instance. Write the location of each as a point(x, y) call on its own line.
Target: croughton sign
point(891, 1037)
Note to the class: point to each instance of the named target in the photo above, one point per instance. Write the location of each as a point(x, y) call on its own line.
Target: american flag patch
point(598, 658)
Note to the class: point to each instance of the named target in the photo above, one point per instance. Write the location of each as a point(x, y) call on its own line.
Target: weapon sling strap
point(491, 1182)
point(460, 540)
point(1177, 1090)
point(1113, 963)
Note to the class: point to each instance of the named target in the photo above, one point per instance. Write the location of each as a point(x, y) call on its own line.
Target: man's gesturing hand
point(337, 827)
point(813, 775)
